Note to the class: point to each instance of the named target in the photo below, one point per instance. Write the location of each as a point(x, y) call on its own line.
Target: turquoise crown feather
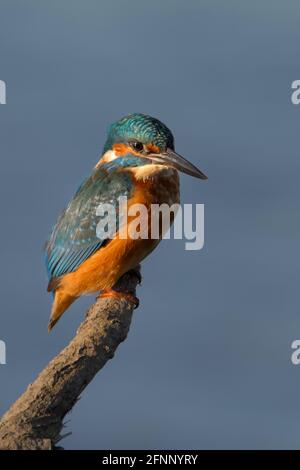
point(140, 127)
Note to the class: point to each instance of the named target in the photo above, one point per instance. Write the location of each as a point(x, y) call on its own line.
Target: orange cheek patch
point(152, 148)
point(120, 149)
point(123, 149)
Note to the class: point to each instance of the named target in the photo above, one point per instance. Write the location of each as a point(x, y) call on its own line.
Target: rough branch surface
point(35, 420)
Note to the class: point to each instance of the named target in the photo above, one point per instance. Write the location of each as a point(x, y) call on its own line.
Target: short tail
point(61, 302)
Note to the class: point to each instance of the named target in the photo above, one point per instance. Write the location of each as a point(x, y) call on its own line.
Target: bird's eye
point(138, 146)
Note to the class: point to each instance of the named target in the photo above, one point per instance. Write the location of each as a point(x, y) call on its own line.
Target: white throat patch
point(146, 172)
point(109, 156)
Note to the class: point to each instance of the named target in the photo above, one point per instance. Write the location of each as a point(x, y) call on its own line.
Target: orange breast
point(103, 269)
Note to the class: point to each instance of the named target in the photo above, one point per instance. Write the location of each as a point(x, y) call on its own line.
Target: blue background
point(207, 361)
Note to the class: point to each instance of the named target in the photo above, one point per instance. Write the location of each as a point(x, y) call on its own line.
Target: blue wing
point(73, 239)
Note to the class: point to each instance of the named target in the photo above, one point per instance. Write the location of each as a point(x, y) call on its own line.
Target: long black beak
point(171, 158)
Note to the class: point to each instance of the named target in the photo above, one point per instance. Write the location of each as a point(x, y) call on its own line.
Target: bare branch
point(35, 420)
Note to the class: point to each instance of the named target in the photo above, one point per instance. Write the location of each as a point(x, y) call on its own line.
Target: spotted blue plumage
point(74, 238)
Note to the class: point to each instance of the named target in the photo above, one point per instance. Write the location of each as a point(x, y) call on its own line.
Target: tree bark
point(35, 420)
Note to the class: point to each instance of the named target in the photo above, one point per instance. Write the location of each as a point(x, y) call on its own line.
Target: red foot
point(120, 295)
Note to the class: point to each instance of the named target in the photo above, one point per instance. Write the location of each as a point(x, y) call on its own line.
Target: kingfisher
point(138, 162)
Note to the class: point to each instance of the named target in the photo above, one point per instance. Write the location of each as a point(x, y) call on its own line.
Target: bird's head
point(138, 139)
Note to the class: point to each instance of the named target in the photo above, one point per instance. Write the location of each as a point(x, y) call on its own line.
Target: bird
point(138, 162)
